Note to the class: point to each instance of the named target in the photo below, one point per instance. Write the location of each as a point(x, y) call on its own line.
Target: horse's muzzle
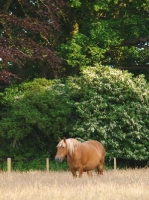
point(59, 159)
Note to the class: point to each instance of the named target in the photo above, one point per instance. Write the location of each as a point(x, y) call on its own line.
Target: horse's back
point(94, 144)
point(94, 148)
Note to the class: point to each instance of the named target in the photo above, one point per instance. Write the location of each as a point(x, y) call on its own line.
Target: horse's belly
point(86, 166)
point(90, 166)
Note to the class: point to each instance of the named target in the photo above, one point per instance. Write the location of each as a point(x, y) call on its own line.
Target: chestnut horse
point(82, 157)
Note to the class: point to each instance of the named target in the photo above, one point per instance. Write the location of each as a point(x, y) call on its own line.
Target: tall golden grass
point(113, 185)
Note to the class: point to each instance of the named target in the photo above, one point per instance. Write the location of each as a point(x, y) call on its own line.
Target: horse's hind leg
point(73, 173)
point(99, 168)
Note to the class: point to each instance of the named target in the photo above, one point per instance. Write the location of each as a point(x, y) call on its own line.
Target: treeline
point(104, 104)
point(54, 39)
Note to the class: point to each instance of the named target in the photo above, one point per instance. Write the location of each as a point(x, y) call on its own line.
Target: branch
point(7, 5)
point(136, 42)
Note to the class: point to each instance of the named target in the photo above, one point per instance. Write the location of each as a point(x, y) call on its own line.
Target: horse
point(81, 157)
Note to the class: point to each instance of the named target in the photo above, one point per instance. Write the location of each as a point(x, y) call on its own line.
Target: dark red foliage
point(29, 33)
point(6, 76)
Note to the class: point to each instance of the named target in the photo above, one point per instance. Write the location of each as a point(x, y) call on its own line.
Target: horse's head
point(62, 150)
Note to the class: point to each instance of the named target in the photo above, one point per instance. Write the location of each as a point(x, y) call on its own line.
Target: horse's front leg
point(80, 171)
point(73, 172)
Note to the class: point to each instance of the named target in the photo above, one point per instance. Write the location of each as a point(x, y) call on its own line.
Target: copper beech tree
point(29, 33)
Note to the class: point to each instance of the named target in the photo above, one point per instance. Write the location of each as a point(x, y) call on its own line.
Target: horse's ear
point(59, 139)
point(64, 139)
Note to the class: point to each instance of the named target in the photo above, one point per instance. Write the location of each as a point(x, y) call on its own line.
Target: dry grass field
point(113, 185)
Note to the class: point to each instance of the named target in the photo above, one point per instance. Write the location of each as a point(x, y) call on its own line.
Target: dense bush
point(113, 107)
point(34, 115)
point(105, 104)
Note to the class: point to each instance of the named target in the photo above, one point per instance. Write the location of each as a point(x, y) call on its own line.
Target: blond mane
point(71, 144)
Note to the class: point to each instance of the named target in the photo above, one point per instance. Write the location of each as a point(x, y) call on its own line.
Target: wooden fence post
point(47, 164)
point(8, 164)
point(115, 163)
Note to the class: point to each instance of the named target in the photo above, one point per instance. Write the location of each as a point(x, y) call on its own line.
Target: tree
point(34, 115)
point(112, 32)
point(79, 33)
point(29, 33)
